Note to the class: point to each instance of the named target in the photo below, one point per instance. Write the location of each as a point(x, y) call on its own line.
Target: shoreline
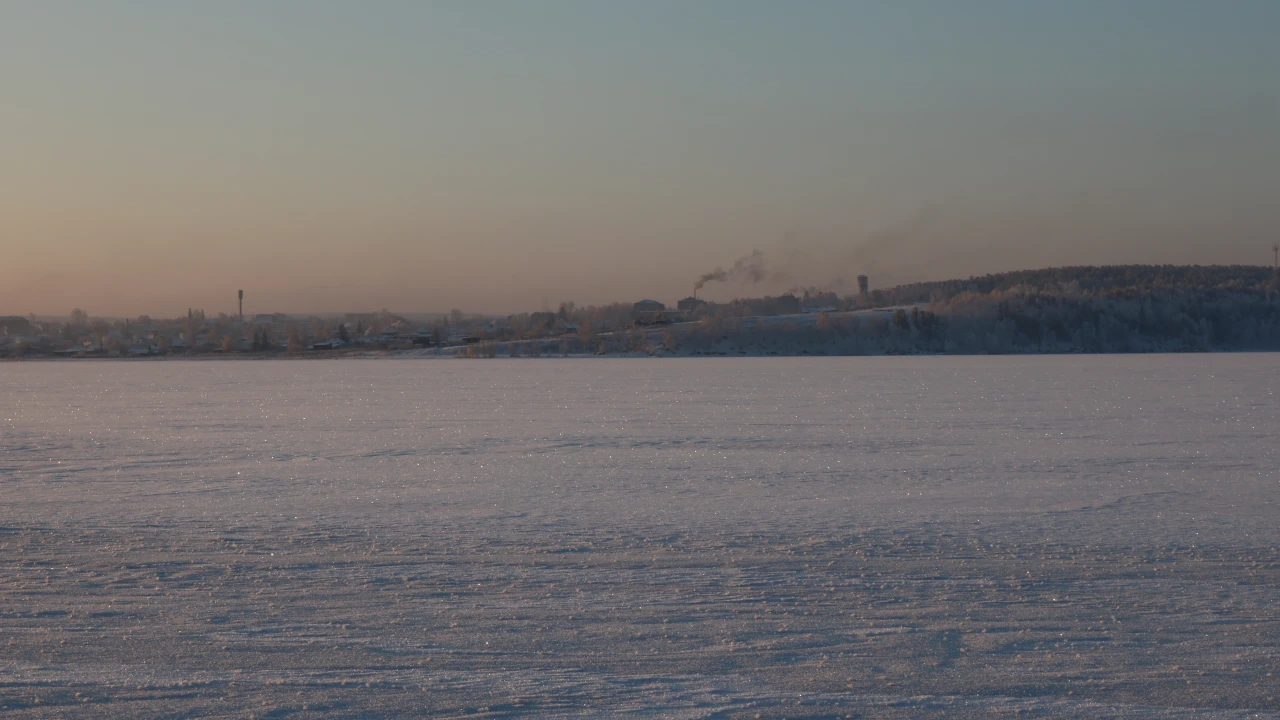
point(420, 355)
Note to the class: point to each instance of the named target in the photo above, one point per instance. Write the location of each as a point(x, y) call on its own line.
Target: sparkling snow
point(893, 537)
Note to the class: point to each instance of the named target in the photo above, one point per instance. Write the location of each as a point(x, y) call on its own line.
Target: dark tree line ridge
point(1114, 309)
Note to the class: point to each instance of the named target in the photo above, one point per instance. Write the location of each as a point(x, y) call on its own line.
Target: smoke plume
point(748, 268)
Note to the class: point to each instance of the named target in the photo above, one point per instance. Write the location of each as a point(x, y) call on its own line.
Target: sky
point(502, 156)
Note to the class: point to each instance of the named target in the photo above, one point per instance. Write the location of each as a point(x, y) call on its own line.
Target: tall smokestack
point(241, 306)
point(864, 285)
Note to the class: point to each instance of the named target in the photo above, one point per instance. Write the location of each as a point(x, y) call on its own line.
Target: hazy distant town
point(1061, 310)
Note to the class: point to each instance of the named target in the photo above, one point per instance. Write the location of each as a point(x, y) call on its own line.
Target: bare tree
point(192, 326)
point(100, 328)
point(295, 342)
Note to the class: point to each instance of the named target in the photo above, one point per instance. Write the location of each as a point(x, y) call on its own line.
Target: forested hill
point(1120, 309)
point(1113, 280)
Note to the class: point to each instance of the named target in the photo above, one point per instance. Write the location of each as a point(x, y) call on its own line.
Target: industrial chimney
point(241, 306)
point(863, 288)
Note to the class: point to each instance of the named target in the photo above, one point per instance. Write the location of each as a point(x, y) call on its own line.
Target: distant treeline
point(1120, 309)
point(1123, 280)
point(1114, 309)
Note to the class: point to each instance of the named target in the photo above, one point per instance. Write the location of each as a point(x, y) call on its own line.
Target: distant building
point(542, 320)
point(648, 312)
point(328, 345)
point(15, 325)
point(787, 304)
point(648, 306)
point(691, 305)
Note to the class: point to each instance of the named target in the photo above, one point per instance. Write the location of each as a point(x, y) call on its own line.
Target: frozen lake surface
point(707, 538)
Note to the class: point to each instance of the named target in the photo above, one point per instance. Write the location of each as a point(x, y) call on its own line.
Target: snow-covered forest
point(1089, 310)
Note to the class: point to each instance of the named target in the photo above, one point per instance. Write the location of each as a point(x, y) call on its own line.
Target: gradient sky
point(502, 156)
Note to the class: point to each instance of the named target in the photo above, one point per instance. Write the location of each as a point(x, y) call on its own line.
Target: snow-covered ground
point(703, 538)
